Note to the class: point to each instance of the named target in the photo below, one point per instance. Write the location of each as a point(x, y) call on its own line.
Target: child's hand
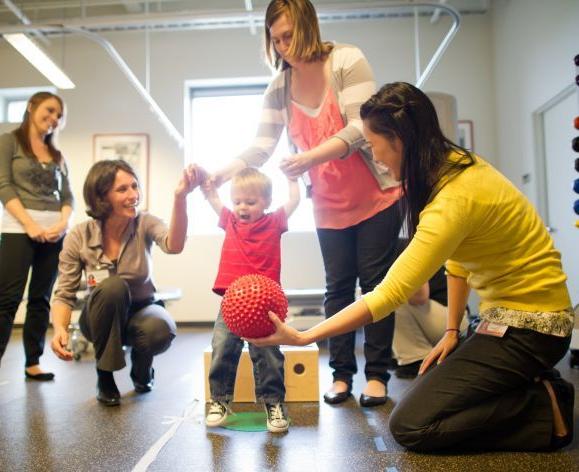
point(208, 187)
point(202, 174)
point(189, 180)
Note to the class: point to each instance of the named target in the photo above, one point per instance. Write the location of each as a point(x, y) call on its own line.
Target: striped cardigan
point(352, 82)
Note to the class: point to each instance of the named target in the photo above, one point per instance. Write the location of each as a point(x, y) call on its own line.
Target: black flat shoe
point(368, 401)
point(42, 377)
point(333, 398)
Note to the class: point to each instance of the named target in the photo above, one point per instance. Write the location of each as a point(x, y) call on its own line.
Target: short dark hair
point(98, 182)
point(400, 110)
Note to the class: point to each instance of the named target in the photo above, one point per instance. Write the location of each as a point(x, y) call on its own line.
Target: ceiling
point(118, 15)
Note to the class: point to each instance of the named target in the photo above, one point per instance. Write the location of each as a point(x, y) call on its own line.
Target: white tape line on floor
point(153, 452)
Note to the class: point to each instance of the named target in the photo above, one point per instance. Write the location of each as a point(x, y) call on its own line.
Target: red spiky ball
point(247, 302)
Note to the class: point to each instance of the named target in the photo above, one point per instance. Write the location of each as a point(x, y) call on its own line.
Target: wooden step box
point(301, 375)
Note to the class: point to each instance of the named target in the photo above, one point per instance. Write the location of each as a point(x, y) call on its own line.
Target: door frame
point(540, 163)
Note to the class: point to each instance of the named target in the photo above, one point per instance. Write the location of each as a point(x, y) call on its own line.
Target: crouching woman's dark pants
point(110, 321)
point(483, 396)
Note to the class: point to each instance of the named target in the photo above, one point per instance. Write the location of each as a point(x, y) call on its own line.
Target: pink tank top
point(344, 191)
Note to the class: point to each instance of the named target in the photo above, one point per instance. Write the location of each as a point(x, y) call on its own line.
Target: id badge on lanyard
point(95, 275)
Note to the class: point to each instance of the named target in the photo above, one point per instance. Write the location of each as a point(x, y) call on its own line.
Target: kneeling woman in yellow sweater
point(497, 390)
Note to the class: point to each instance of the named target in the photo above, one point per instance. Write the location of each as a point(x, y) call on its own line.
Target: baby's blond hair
point(251, 178)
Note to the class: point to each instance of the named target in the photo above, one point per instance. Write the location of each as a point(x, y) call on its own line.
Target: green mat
point(250, 421)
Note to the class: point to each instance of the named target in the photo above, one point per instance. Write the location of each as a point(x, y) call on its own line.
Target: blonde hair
point(306, 43)
point(252, 179)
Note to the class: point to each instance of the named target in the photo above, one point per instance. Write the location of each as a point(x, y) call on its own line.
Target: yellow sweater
point(486, 231)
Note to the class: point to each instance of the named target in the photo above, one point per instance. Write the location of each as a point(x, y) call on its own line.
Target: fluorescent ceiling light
point(38, 58)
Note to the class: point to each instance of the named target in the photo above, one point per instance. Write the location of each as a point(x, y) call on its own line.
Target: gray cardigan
point(38, 186)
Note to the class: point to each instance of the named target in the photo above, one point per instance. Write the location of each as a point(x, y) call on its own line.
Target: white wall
point(534, 43)
point(104, 102)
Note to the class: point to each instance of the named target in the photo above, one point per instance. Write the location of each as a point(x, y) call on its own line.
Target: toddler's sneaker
point(217, 414)
point(277, 420)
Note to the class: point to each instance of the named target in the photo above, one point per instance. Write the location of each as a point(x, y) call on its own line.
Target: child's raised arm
point(294, 196)
point(209, 190)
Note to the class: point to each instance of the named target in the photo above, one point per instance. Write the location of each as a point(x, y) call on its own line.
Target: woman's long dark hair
point(402, 110)
point(22, 132)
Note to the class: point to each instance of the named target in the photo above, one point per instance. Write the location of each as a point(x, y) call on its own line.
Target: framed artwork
point(133, 148)
point(466, 134)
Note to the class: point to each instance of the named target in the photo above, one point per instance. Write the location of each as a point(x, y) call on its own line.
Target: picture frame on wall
point(466, 134)
point(132, 148)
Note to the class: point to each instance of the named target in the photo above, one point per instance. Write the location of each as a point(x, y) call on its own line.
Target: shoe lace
point(275, 412)
point(217, 407)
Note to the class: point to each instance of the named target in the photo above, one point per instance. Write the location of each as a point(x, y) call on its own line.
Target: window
point(223, 120)
point(13, 102)
point(15, 110)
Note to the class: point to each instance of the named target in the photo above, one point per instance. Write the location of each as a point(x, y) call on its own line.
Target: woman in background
point(35, 192)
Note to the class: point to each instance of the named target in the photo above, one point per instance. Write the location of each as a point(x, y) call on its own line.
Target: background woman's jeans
point(268, 367)
point(362, 252)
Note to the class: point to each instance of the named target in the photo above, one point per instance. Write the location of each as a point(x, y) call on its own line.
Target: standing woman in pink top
point(316, 96)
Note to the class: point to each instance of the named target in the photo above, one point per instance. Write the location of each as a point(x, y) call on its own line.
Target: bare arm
point(294, 197)
point(211, 194)
point(179, 220)
point(224, 174)
point(458, 291)
point(60, 315)
point(348, 319)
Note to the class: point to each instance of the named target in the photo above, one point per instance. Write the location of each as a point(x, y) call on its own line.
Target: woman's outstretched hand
point(284, 334)
point(439, 352)
point(192, 176)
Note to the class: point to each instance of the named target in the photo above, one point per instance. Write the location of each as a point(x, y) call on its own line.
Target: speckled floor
point(59, 426)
